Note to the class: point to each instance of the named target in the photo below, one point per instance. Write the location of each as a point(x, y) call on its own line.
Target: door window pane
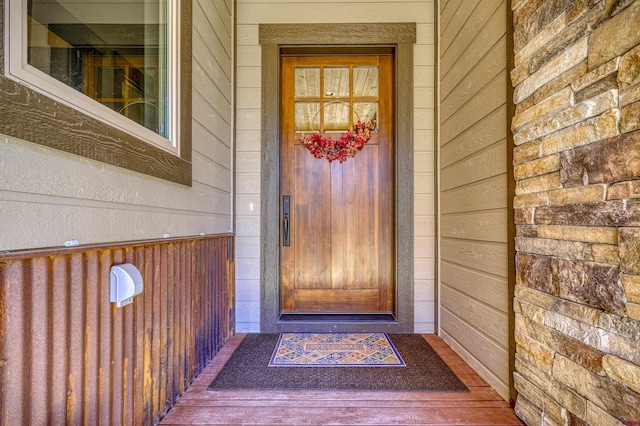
point(365, 112)
point(115, 53)
point(307, 117)
point(336, 116)
point(307, 82)
point(365, 82)
point(336, 82)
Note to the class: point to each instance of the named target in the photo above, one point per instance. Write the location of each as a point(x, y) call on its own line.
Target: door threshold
point(311, 317)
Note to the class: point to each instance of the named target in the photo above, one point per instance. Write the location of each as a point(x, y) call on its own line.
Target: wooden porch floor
point(481, 406)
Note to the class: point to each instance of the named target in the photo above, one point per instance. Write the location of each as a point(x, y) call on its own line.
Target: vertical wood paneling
point(67, 355)
point(473, 181)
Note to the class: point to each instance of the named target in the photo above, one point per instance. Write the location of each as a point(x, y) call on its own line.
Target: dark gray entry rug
point(248, 369)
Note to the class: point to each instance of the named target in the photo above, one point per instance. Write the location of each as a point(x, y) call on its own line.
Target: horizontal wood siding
point(69, 356)
point(473, 185)
point(48, 196)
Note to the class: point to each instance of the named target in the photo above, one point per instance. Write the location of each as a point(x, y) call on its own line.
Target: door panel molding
point(273, 37)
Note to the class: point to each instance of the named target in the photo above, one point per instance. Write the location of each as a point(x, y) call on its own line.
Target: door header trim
point(330, 33)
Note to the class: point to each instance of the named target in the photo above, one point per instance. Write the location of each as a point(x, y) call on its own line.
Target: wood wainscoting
point(69, 356)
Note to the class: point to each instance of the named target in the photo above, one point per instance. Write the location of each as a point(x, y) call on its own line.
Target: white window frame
point(17, 68)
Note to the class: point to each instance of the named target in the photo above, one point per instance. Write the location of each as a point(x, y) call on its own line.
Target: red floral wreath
point(347, 146)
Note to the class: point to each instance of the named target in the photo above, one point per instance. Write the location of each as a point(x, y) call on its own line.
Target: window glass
point(365, 111)
point(307, 83)
point(336, 116)
point(113, 52)
point(365, 81)
point(336, 82)
point(334, 98)
point(307, 116)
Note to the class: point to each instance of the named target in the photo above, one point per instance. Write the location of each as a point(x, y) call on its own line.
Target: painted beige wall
point(473, 185)
point(251, 13)
point(48, 197)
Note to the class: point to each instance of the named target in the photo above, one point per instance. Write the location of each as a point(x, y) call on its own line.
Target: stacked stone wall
point(577, 211)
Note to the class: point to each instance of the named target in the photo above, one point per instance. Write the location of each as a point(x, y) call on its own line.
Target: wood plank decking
point(481, 406)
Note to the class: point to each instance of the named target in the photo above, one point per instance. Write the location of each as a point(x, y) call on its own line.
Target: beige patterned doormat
point(335, 350)
point(424, 371)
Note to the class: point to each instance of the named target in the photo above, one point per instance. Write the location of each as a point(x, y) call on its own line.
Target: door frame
point(357, 37)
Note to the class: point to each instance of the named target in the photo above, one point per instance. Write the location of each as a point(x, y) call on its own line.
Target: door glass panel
point(365, 81)
point(336, 82)
point(336, 116)
point(307, 117)
point(307, 82)
point(365, 112)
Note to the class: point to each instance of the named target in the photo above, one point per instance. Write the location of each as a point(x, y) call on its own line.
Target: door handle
point(286, 201)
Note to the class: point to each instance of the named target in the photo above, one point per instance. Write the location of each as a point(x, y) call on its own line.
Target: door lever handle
point(286, 201)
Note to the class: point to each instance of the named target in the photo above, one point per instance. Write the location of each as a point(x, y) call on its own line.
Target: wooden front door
point(337, 219)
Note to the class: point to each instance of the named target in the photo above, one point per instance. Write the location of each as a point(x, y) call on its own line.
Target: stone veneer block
point(589, 234)
point(527, 389)
point(577, 195)
point(629, 73)
point(615, 37)
point(527, 411)
point(541, 39)
point(534, 352)
point(570, 116)
point(630, 95)
point(583, 133)
point(611, 160)
point(629, 250)
point(622, 190)
point(538, 184)
point(554, 86)
point(557, 102)
point(622, 371)
point(630, 118)
point(608, 83)
point(527, 152)
point(550, 386)
point(592, 284)
point(526, 231)
point(565, 308)
point(553, 413)
point(633, 311)
point(523, 216)
point(602, 253)
point(597, 416)
point(531, 200)
point(534, 16)
point(612, 396)
point(625, 327)
point(631, 284)
point(548, 247)
point(603, 339)
point(519, 74)
point(566, 60)
point(573, 349)
point(530, 311)
point(603, 71)
point(535, 272)
point(540, 166)
point(606, 213)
